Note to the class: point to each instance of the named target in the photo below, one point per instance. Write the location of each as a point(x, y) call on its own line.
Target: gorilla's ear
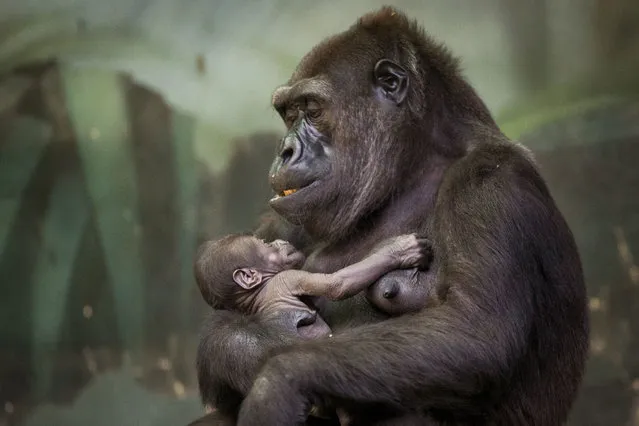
point(247, 278)
point(390, 81)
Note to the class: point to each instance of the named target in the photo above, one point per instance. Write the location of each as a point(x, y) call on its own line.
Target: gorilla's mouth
point(286, 193)
point(289, 192)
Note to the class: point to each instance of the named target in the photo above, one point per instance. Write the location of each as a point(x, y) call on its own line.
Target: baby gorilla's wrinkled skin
point(272, 287)
point(279, 288)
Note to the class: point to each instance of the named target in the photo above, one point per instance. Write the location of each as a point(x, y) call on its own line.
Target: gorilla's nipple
point(391, 291)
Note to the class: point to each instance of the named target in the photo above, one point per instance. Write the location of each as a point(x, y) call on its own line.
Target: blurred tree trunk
point(526, 24)
point(616, 25)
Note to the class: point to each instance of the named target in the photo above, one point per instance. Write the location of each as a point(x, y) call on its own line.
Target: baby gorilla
point(246, 274)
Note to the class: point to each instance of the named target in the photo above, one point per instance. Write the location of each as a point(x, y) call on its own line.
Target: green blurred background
point(130, 130)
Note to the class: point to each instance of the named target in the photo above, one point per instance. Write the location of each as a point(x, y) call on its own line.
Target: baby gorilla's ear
point(247, 278)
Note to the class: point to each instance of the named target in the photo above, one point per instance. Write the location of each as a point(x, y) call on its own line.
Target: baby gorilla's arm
point(405, 251)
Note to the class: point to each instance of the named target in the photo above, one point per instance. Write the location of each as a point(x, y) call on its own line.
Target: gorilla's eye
point(313, 110)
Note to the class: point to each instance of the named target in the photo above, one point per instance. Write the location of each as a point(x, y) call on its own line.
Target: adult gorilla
point(386, 137)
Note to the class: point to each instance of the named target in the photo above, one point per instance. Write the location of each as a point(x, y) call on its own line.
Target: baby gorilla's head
point(277, 256)
point(227, 268)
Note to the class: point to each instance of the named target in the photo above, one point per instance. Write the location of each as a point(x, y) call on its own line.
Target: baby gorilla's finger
point(423, 242)
point(425, 246)
point(426, 257)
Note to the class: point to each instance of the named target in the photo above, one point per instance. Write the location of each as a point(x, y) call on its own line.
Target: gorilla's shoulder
point(497, 161)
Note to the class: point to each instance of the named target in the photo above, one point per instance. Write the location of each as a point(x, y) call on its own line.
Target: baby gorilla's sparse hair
point(215, 263)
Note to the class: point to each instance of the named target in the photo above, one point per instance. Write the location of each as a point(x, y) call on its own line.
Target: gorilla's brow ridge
point(318, 87)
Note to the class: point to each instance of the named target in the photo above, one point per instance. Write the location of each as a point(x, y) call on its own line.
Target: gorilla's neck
point(403, 213)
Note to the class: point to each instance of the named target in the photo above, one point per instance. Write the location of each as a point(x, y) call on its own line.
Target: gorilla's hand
point(409, 251)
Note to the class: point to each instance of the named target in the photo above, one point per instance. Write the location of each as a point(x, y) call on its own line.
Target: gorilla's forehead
point(322, 56)
point(346, 57)
point(318, 86)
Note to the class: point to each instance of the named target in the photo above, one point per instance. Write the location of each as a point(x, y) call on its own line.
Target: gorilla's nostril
point(287, 154)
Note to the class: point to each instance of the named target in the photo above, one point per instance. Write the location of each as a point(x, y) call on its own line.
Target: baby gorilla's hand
point(411, 251)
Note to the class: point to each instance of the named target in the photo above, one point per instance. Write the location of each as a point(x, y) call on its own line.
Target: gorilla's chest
point(321, 261)
point(328, 259)
point(349, 313)
point(354, 311)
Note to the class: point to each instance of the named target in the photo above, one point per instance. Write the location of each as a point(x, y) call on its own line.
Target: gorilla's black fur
point(386, 137)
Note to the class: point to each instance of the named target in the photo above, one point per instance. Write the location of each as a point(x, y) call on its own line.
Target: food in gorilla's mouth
point(284, 193)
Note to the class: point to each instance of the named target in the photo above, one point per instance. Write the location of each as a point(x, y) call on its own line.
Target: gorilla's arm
point(404, 251)
point(494, 234)
point(230, 352)
point(231, 348)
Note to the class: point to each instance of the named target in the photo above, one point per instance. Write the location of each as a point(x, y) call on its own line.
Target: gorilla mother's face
point(338, 161)
point(302, 168)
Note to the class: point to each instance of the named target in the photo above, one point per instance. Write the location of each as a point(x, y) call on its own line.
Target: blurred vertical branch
point(627, 259)
point(616, 29)
point(109, 169)
point(627, 295)
point(526, 25)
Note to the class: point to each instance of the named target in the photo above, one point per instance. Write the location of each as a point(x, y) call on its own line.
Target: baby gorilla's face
point(279, 255)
